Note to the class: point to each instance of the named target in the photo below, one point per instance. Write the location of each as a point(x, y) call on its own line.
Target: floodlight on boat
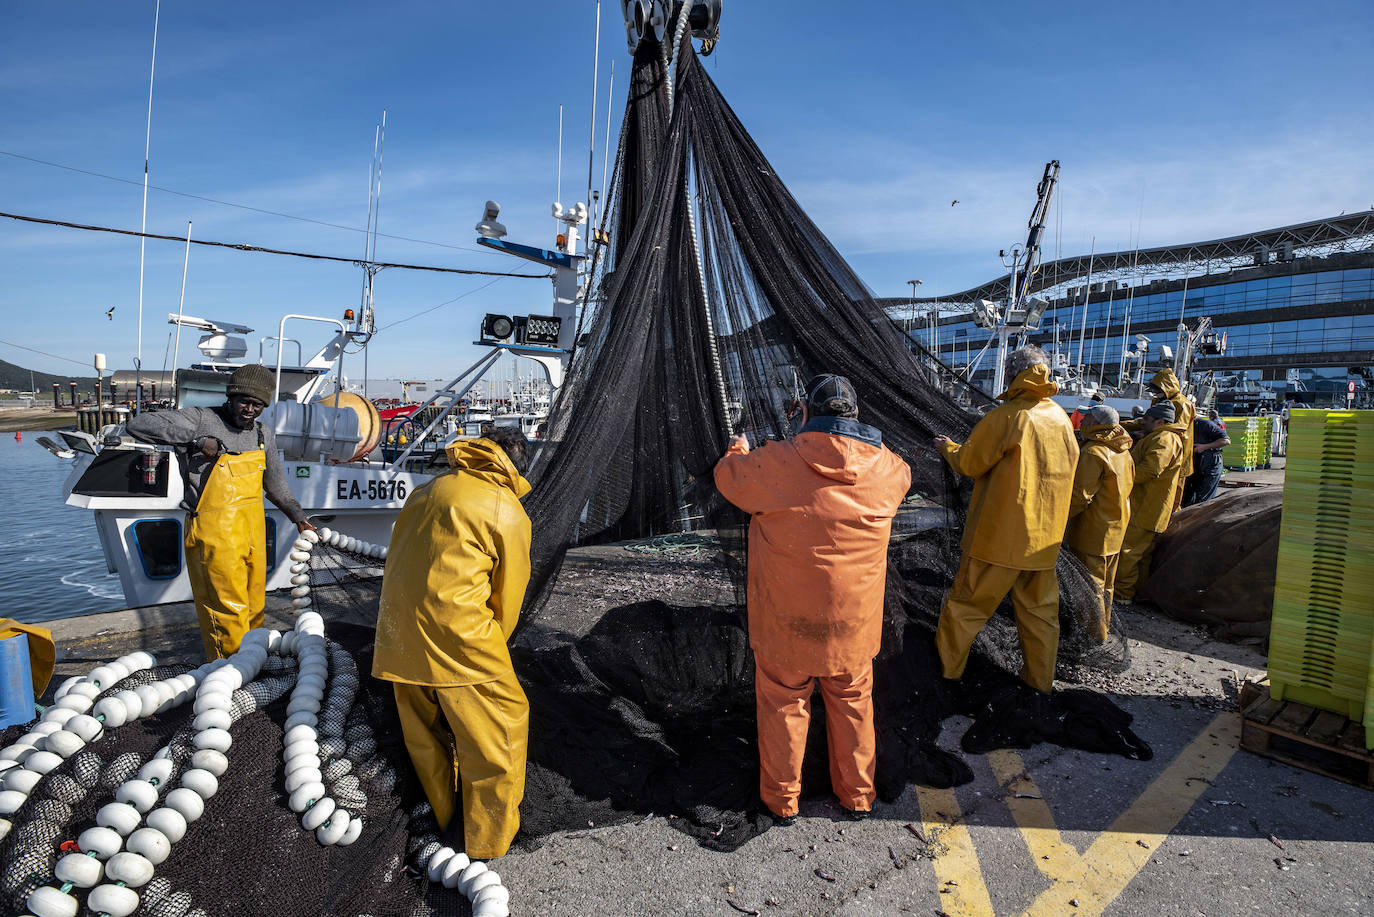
point(490, 227)
point(1035, 311)
point(497, 327)
point(540, 330)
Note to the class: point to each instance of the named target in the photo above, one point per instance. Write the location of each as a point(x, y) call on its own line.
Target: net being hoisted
point(721, 297)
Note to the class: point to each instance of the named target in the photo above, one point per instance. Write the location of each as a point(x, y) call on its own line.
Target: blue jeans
point(1201, 485)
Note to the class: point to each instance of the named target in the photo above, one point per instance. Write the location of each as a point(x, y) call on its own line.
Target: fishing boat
point(332, 439)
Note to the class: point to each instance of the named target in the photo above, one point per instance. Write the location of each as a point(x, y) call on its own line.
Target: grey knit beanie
point(254, 381)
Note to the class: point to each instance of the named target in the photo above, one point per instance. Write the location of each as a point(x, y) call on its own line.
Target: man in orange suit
point(822, 507)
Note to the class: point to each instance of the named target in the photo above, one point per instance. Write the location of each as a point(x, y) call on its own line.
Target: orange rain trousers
point(977, 591)
point(783, 702)
point(475, 736)
point(1102, 571)
point(226, 552)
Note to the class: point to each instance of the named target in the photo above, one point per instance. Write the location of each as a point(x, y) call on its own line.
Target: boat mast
point(591, 130)
point(143, 237)
point(181, 306)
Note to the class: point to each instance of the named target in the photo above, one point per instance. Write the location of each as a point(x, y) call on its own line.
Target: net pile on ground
point(271, 782)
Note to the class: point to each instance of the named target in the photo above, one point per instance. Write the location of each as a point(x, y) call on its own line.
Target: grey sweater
point(187, 428)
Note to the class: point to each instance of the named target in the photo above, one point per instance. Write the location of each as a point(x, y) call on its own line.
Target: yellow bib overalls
point(226, 552)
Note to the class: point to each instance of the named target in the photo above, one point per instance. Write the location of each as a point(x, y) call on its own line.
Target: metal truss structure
point(1319, 238)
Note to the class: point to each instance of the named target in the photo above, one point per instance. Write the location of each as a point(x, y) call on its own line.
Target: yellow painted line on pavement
point(1053, 856)
point(1095, 879)
point(962, 890)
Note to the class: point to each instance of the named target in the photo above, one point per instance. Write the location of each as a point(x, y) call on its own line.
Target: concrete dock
point(1203, 828)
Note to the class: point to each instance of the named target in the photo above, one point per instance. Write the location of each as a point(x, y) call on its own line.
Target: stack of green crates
point(1266, 440)
point(1321, 644)
point(1249, 447)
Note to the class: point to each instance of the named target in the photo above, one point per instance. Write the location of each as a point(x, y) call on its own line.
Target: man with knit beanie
point(229, 460)
point(1101, 503)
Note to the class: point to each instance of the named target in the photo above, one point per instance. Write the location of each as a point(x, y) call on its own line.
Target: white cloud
point(889, 199)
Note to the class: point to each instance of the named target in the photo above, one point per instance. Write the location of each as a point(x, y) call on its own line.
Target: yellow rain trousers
point(456, 571)
point(1100, 509)
point(1022, 457)
point(476, 735)
point(1102, 572)
point(1157, 457)
point(226, 552)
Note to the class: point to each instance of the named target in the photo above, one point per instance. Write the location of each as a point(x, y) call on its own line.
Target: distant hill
point(17, 378)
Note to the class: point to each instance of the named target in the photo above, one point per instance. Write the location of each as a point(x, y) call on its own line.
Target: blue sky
point(1174, 122)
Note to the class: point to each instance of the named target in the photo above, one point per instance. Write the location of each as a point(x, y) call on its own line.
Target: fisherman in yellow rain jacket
point(1164, 388)
point(1101, 503)
point(1158, 456)
point(1021, 457)
point(457, 567)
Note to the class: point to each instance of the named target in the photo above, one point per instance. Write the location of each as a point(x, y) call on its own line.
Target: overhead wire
point(212, 200)
point(244, 247)
point(440, 305)
point(44, 353)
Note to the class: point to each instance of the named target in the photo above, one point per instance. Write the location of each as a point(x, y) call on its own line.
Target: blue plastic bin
point(16, 682)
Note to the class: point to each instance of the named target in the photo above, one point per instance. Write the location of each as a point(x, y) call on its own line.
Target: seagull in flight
point(110, 314)
point(952, 203)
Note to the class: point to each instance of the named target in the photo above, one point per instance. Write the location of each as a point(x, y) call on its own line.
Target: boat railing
point(449, 399)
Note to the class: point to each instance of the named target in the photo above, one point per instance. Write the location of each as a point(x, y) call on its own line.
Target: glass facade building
point(1302, 328)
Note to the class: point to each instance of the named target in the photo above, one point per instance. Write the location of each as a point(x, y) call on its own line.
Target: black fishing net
point(720, 299)
point(248, 853)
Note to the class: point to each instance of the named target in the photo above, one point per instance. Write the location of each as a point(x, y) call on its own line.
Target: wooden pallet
point(1320, 741)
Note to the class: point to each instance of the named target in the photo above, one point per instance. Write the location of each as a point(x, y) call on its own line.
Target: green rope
point(683, 545)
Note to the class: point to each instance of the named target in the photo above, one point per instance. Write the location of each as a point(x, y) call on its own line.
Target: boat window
point(157, 542)
point(125, 473)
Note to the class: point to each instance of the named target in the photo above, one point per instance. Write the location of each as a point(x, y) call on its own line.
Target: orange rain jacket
point(1158, 456)
point(1101, 503)
point(456, 571)
point(822, 507)
point(1021, 456)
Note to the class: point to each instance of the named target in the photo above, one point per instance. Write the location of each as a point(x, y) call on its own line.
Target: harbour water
point(50, 562)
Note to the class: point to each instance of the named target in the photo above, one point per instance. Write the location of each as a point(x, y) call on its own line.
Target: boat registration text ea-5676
point(369, 489)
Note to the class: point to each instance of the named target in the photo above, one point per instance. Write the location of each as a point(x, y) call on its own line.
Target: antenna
point(143, 238)
point(606, 147)
point(591, 143)
point(181, 305)
point(558, 192)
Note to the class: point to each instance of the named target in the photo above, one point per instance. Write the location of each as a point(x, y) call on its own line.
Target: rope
point(684, 545)
point(244, 247)
point(675, 55)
